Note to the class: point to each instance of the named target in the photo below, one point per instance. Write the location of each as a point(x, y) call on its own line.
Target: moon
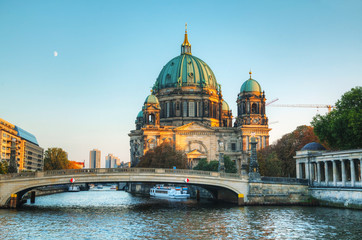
point(55, 53)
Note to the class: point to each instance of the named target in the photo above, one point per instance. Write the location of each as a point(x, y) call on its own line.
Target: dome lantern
point(186, 46)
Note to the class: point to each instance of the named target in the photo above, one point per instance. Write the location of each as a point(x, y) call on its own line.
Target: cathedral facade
point(186, 109)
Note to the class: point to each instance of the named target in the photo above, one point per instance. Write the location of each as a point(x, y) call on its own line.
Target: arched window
point(151, 119)
point(254, 108)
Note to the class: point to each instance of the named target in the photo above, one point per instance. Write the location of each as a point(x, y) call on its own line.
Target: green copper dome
point(225, 106)
point(140, 114)
point(250, 85)
point(186, 70)
point(151, 99)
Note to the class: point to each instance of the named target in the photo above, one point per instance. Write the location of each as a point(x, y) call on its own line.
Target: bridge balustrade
point(17, 175)
point(117, 170)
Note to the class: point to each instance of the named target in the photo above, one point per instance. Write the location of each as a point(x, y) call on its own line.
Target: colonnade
point(338, 172)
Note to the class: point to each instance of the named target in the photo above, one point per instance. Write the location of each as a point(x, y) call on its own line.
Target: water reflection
point(119, 215)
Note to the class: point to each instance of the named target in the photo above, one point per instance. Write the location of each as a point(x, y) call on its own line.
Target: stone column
point(311, 167)
point(306, 168)
point(353, 173)
point(318, 172)
point(334, 173)
point(343, 166)
point(298, 170)
point(326, 172)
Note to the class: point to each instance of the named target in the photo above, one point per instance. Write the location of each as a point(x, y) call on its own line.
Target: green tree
point(213, 165)
point(342, 127)
point(201, 165)
point(230, 166)
point(163, 156)
point(4, 167)
point(55, 158)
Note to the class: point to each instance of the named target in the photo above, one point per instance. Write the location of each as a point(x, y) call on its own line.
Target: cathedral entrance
point(194, 157)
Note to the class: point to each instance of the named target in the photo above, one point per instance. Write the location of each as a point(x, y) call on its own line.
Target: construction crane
point(274, 100)
point(330, 107)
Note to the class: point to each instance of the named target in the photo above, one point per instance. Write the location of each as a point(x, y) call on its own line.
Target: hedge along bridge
point(224, 186)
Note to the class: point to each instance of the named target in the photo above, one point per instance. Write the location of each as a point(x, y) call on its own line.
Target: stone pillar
point(298, 170)
point(343, 167)
point(353, 173)
point(311, 167)
point(318, 172)
point(253, 166)
point(306, 168)
point(334, 173)
point(326, 172)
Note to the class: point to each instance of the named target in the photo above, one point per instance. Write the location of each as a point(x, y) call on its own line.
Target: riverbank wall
point(338, 197)
point(278, 191)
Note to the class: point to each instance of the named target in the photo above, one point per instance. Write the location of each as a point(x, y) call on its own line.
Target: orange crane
point(330, 107)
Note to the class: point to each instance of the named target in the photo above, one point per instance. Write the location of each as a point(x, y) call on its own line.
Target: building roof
point(26, 135)
point(185, 70)
point(250, 85)
point(140, 114)
point(313, 146)
point(225, 106)
point(151, 99)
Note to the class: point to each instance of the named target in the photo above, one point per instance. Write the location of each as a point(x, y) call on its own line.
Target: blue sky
point(111, 52)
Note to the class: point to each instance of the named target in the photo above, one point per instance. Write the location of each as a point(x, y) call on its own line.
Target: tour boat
point(169, 192)
point(73, 188)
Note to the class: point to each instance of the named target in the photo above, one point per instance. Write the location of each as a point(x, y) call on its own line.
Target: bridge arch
point(220, 183)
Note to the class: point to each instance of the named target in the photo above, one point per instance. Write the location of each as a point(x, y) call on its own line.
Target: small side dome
point(140, 114)
point(151, 99)
point(250, 86)
point(313, 146)
point(225, 106)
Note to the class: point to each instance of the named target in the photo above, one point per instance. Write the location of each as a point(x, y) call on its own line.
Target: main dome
point(186, 70)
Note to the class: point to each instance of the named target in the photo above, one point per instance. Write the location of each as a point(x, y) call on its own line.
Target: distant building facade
point(29, 155)
point(112, 161)
point(95, 159)
point(186, 109)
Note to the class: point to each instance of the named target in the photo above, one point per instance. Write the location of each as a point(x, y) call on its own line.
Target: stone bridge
point(224, 186)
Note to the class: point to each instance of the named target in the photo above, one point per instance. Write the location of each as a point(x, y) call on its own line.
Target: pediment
point(194, 126)
point(195, 153)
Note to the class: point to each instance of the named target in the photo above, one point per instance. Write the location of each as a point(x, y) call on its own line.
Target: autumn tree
point(342, 127)
point(55, 158)
point(163, 156)
point(277, 159)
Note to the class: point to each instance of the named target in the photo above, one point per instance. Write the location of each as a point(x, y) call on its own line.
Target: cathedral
point(186, 109)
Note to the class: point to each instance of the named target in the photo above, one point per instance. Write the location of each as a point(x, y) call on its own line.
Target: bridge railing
point(17, 175)
point(118, 170)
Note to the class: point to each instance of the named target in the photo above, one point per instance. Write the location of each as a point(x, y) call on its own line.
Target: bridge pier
point(32, 197)
point(13, 201)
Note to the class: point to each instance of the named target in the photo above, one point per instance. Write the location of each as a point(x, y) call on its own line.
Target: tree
point(213, 166)
point(163, 156)
point(55, 158)
point(342, 127)
point(277, 159)
point(230, 166)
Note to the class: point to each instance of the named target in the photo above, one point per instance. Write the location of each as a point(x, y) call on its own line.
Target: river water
point(120, 215)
